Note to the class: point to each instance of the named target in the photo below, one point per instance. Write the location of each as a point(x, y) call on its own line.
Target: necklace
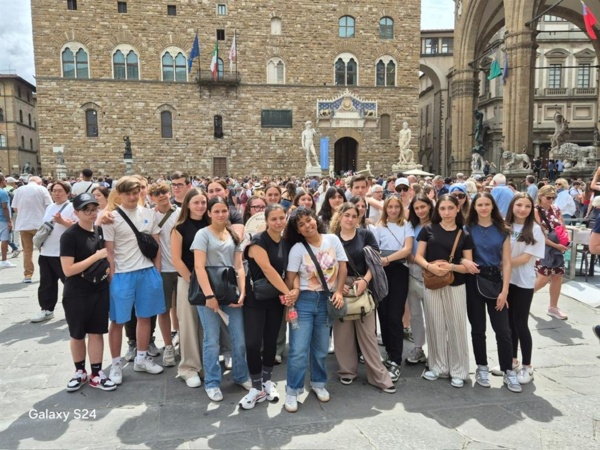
point(220, 235)
point(484, 230)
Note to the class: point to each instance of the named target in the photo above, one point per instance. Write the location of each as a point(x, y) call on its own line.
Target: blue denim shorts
point(141, 288)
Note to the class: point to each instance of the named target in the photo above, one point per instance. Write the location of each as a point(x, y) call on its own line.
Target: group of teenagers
point(311, 259)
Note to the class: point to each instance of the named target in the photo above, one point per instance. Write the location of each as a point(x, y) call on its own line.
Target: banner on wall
point(324, 152)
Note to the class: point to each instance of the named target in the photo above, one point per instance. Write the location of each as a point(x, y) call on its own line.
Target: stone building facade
point(106, 70)
point(19, 143)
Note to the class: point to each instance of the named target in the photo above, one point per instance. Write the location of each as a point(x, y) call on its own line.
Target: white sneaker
point(116, 374)
point(252, 398)
point(525, 375)
point(321, 394)
point(214, 394)
point(168, 358)
point(270, 389)
point(42, 316)
point(291, 403)
point(246, 384)
point(228, 362)
point(331, 348)
point(6, 265)
point(146, 365)
point(194, 382)
point(498, 373)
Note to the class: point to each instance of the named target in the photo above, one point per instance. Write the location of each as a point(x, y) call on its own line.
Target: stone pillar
point(464, 91)
point(518, 93)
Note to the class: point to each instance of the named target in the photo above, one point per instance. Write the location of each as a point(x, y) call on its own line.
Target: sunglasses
point(402, 188)
point(550, 197)
point(459, 195)
point(161, 192)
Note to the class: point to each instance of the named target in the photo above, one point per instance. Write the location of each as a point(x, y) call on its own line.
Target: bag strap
point(167, 215)
point(317, 266)
point(454, 246)
point(394, 236)
point(61, 210)
point(129, 222)
point(88, 188)
point(542, 214)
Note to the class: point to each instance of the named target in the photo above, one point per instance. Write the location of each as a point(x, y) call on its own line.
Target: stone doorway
point(345, 155)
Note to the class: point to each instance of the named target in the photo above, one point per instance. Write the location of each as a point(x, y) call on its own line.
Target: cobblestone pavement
point(558, 410)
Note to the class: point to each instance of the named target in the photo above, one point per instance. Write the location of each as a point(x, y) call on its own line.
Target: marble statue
point(580, 156)
point(368, 167)
point(331, 170)
point(561, 130)
point(308, 145)
point(406, 154)
point(521, 160)
point(477, 162)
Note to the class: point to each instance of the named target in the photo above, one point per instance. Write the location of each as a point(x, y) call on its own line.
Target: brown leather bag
point(433, 281)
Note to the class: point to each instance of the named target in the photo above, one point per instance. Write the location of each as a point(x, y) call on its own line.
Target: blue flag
point(194, 53)
point(505, 70)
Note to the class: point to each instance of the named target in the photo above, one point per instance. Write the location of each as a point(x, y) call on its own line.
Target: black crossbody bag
point(99, 270)
point(148, 245)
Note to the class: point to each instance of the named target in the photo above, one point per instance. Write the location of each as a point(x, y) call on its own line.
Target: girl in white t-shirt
point(527, 244)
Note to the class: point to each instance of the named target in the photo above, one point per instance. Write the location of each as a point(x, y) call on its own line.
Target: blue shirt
point(3, 200)
point(532, 190)
point(503, 195)
point(487, 245)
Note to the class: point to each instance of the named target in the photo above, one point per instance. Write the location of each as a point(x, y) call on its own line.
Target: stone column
point(518, 93)
point(464, 88)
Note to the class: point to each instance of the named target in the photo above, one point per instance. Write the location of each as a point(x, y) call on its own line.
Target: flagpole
point(198, 59)
point(236, 55)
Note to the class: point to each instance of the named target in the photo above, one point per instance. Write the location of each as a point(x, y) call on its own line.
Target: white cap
point(403, 181)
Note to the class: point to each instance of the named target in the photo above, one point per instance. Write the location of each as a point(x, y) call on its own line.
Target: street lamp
point(127, 156)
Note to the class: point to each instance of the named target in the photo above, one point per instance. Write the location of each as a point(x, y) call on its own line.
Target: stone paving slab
point(558, 410)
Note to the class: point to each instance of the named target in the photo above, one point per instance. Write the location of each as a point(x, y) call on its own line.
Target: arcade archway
point(345, 155)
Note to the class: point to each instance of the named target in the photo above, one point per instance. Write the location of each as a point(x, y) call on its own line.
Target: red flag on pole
point(590, 20)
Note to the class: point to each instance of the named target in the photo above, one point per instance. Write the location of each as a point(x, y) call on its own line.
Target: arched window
point(22, 142)
point(126, 67)
point(68, 63)
point(1, 115)
point(275, 71)
point(346, 70)
point(166, 124)
point(385, 71)
point(275, 26)
point(2, 141)
point(346, 27)
point(220, 71)
point(31, 144)
point(174, 69)
point(91, 123)
point(386, 28)
point(83, 70)
point(29, 119)
point(384, 126)
point(21, 115)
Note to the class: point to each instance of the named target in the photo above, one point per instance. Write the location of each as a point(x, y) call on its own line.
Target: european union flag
point(195, 53)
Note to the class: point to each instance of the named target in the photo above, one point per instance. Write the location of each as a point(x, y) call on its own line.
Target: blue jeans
point(211, 323)
point(310, 340)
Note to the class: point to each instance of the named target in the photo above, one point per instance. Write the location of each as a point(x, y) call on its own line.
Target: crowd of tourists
point(331, 262)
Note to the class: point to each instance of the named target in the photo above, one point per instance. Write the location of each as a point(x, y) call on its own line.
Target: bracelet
point(452, 267)
point(427, 268)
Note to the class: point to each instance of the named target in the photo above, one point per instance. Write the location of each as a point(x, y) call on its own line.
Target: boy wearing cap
point(86, 303)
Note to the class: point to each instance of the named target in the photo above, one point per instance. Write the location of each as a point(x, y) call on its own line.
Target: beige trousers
point(190, 333)
point(27, 243)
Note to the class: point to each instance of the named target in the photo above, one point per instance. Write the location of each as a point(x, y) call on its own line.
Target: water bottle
point(293, 318)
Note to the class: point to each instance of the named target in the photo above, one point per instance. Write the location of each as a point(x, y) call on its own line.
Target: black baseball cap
point(82, 200)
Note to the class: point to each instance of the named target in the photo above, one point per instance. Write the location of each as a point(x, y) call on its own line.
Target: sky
point(16, 42)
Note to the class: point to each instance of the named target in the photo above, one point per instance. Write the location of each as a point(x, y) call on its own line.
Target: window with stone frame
point(431, 46)
point(275, 26)
point(122, 7)
point(555, 76)
point(385, 127)
point(220, 69)
point(126, 67)
point(171, 10)
point(23, 142)
point(72, 5)
point(346, 70)
point(166, 124)
point(221, 9)
point(346, 27)
point(1, 115)
point(583, 75)
point(385, 71)
point(276, 71)
point(386, 28)
point(29, 117)
point(447, 46)
point(174, 68)
point(91, 123)
point(31, 144)
point(68, 63)
point(21, 115)
point(2, 141)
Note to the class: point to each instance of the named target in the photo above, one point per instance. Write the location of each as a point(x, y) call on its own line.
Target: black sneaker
point(78, 380)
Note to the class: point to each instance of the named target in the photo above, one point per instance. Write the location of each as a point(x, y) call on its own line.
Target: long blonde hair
point(383, 220)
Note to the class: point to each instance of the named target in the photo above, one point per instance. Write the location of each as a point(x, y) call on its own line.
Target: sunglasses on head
point(402, 188)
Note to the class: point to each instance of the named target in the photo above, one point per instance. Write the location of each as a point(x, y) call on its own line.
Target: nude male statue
point(308, 144)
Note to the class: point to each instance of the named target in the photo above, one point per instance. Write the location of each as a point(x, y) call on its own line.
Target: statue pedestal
point(313, 171)
point(61, 171)
point(475, 173)
point(401, 167)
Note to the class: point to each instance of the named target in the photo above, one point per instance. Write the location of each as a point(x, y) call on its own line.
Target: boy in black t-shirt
point(86, 302)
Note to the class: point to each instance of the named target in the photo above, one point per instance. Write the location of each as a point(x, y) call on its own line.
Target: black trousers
point(132, 325)
point(261, 328)
point(519, 300)
point(476, 306)
point(391, 310)
point(50, 272)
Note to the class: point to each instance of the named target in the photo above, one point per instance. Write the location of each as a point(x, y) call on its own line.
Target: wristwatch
point(210, 297)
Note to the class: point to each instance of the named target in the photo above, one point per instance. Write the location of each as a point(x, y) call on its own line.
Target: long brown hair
point(527, 231)
point(497, 220)
point(212, 202)
point(184, 215)
point(335, 226)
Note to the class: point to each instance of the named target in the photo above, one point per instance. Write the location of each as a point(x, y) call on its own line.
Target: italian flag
point(214, 62)
point(590, 20)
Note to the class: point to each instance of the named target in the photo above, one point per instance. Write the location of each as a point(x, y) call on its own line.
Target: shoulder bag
point(553, 258)
point(262, 287)
point(357, 306)
point(148, 245)
point(223, 282)
point(432, 281)
point(332, 311)
point(99, 270)
point(44, 232)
